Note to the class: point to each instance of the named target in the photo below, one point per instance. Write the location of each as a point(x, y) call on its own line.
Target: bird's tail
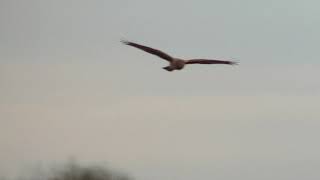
point(168, 68)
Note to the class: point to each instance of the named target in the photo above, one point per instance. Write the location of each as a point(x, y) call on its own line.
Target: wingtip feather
point(124, 41)
point(233, 63)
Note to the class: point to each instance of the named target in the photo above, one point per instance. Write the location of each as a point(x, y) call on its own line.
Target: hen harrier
point(175, 63)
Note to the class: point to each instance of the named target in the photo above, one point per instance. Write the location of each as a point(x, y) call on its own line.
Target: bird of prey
point(175, 63)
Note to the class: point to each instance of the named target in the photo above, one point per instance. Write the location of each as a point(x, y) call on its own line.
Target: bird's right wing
point(210, 61)
point(149, 50)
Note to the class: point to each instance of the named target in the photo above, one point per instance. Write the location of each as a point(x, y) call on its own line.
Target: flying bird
point(175, 63)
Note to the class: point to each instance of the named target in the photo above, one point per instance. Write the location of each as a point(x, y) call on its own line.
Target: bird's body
point(176, 63)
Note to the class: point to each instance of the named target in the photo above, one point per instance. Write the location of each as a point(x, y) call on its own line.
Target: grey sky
point(69, 88)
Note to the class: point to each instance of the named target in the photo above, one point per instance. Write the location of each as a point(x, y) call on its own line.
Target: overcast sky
point(69, 88)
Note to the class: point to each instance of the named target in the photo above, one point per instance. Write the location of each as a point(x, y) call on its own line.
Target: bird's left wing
point(209, 61)
point(149, 50)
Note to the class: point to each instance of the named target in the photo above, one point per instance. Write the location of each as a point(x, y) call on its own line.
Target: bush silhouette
point(74, 171)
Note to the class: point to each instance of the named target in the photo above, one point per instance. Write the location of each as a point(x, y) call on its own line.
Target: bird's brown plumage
point(175, 63)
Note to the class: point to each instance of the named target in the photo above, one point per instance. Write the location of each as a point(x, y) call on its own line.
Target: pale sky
point(69, 88)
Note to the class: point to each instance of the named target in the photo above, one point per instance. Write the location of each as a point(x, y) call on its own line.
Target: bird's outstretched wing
point(209, 61)
point(149, 50)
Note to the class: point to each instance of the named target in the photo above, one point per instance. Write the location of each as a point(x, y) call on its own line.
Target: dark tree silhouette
point(74, 171)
